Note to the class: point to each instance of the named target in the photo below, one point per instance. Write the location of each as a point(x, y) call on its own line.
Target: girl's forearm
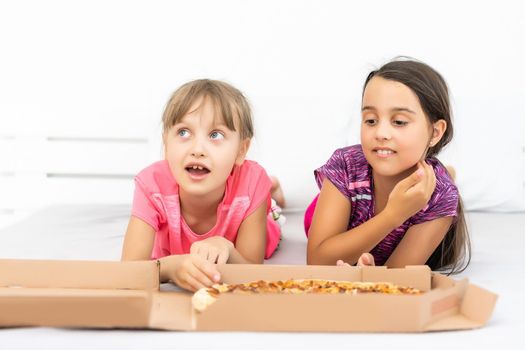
point(237, 258)
point(167, 264)
point(349, 245)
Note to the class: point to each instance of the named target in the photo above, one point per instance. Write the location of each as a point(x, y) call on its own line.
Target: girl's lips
point(197, 174)
point(384, 153)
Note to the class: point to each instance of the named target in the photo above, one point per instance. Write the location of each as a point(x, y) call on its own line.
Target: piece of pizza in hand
point(205, 297)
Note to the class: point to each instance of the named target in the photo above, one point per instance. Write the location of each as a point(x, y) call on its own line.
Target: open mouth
point(197, 170)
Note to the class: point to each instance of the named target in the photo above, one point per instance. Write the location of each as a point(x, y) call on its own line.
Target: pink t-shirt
point(156, 201)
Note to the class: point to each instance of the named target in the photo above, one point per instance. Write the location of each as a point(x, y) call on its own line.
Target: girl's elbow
point(126, 256)
point(133, 258)
point(135, 255)
point(255, 261)
point(310, 260)
point(314, 257)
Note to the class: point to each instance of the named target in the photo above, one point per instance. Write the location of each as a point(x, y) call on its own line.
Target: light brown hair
point(454, 252)
point(228, 101)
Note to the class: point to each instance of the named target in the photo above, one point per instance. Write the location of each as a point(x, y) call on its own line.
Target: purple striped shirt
point(350, 172)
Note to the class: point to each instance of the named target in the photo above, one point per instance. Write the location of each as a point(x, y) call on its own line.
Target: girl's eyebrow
point(367, 108)
point(402, 109)
point(395, 109)
point(221, 126)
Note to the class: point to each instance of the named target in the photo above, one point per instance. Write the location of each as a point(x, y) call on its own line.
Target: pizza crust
point(202, 299)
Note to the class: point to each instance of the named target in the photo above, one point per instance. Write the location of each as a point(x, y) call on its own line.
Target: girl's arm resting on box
point(419, 243)
point(188, 271)
point(250, 244)
point(138, 241)
point(329, 240)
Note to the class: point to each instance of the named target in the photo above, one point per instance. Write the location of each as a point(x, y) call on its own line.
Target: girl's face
point(395, 131)
point(201, 151)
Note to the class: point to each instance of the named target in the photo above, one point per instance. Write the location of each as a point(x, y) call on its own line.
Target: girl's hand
point(192, 272)
point(411, 194)
point(341, 263)
point(366, 259)
point(214, 249)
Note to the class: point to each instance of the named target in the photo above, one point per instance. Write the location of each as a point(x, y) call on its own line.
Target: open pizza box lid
point(98, 294)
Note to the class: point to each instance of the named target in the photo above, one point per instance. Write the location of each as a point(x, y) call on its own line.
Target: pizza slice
point(205, 297)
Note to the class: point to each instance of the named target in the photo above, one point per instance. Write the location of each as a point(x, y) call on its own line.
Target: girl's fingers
point(212, 256)
point(199, 251)
point(424, 167)
point(425, 174)
point(431, 178)
point(341, 263)
point(366, 259)
point(203, 253)
point(411, 181)
point(199, 276)
point(192, 283)
point(207, 268)
point(434, 179)
point(223, 257)
point(370, 261)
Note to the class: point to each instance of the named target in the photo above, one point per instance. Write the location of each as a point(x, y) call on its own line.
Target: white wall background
point(83, 86)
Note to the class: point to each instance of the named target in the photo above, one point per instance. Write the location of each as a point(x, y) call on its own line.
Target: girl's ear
point(243, 149)
point(438, 129)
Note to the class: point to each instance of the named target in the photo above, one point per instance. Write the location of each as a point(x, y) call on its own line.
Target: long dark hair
point(454, 252)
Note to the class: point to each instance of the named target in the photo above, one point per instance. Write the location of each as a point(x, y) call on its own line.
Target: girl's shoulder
point(247, 175)
point(355, 152)
point(250, 167)
point(347, 169)
point(247, 180)
point(157, 178)
point(352, 159)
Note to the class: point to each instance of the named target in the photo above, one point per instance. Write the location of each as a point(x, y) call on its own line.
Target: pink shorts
point(309, 214)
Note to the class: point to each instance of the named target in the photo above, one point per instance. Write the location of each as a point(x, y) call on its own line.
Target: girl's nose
point(198, 149)
point(383, 131)
point(197, 154)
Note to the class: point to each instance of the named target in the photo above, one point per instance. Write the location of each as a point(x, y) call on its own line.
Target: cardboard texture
point(98, 294)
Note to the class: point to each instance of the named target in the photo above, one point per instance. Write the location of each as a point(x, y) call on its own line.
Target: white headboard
point(39, 171)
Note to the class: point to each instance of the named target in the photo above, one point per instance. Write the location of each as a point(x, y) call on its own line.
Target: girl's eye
point(216, 135)
point(370, 121)
point(183, 133)
point(399, 122)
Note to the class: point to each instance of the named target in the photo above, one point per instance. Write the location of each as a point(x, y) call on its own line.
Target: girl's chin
point(386, 174)
point(391, 170)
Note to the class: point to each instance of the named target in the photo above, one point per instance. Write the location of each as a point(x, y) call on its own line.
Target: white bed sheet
point(95, 232)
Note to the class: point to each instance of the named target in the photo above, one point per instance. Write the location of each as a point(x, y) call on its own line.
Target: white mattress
point(95, 232)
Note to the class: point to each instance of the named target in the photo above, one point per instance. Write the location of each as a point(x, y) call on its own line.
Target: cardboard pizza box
point(98, 294)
